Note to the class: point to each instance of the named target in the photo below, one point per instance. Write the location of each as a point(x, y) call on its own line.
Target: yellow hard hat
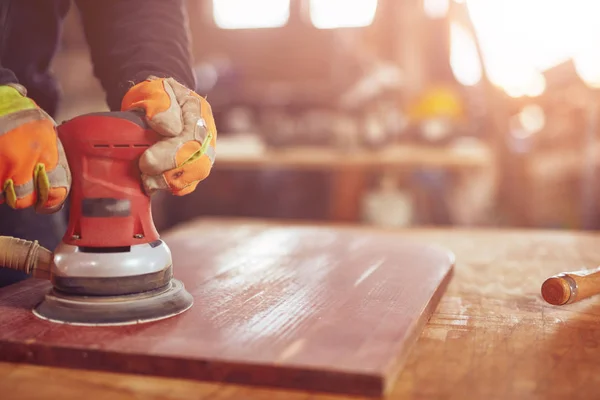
point(437, 102)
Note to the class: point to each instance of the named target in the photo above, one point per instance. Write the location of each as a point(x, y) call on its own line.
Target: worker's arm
point(130, 40)
point(141, 54)
point(33, 166)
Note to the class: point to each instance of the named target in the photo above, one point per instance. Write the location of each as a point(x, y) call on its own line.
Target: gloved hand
point(186, 154)
point(33, 166)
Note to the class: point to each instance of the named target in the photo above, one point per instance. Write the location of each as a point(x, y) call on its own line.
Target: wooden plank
point(296, 307)
point(392, 157)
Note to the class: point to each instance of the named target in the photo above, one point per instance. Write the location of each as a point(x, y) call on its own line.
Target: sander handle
point(109, 206)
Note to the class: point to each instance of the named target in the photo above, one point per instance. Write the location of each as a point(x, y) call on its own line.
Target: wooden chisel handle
point(569, 287)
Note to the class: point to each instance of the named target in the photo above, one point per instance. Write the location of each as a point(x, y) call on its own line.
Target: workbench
point(492, 336)
point(351, 169)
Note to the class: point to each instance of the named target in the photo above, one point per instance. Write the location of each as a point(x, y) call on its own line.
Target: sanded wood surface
point(312, 308)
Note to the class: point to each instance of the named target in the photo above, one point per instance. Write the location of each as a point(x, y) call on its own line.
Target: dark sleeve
point(7, 76)
point(131, 39)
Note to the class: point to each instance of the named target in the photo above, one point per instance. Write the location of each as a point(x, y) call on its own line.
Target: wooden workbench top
point(391, 157)
point(492, 335)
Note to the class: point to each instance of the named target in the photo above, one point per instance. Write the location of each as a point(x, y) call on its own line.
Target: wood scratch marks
point(292, 350)
point(368, 272)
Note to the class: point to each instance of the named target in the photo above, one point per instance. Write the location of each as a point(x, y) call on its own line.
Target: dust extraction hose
point(26, 256)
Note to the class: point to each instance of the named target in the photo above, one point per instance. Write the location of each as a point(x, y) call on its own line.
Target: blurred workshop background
point(388, 112)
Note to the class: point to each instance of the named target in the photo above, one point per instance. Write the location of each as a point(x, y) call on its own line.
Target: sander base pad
point(152, 305)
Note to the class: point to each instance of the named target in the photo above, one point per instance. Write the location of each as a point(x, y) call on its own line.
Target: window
point(331, 14)
point(522, 38)
point(250, 14)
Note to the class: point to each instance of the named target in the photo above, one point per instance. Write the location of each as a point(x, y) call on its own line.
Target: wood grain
point(311, 308)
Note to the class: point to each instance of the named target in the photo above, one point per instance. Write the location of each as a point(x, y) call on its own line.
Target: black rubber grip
point(104, 207)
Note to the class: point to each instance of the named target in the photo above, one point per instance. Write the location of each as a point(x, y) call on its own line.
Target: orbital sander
point(111, 267)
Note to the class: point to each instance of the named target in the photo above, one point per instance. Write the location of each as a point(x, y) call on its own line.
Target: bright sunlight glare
point(464, 59)
point(331, 14)
point(436, 8)
point(532, 118)
point(521, 38)
point(246, 14)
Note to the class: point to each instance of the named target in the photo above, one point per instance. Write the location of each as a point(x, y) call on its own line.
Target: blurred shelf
point(398, 156)
point(561, 162)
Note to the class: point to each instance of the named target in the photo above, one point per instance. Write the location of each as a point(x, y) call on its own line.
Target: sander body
point(111, 267)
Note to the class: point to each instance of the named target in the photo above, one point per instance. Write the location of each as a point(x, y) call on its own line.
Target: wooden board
point(392, 157)
point(295, 307)
point(491, 337)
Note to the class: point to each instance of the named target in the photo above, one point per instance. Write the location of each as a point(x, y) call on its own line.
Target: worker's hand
point(186, 154)
point(33, 166)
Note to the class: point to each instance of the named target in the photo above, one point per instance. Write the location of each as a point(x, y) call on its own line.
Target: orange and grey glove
point(33, 165)
point(186, 155)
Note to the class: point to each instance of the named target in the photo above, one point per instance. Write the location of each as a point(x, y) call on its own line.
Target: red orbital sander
point(111, 267)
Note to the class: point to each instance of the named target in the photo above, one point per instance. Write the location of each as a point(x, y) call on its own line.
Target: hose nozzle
point(26, 256)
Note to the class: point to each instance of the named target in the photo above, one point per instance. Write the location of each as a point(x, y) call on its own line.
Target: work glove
point(186, 155)
point(33, 166)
